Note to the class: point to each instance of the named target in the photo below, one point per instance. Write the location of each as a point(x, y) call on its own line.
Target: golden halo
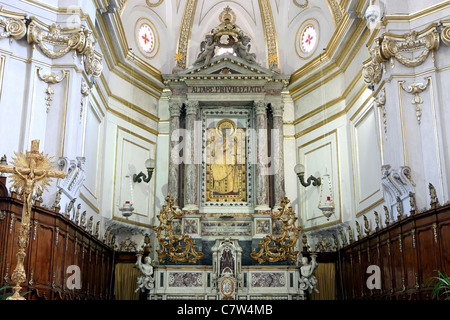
point(226, 124)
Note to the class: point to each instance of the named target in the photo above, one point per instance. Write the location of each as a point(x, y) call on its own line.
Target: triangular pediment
point(225, 67)
point(227, 64)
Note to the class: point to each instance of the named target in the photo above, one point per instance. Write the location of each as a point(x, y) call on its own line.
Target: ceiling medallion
point(146, 38)
point(308, 39)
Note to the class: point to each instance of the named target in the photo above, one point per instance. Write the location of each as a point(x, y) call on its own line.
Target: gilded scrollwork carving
point(373, 67)
point(48, 37)
point(79, 42)
point(380, 102)
point(410, 49)
point(425, 41)
point(128, 245)
point(445, 32)
point(281, 248)
point(13, 28)
point(175, 248)
point(417, 88)
point(50, 78)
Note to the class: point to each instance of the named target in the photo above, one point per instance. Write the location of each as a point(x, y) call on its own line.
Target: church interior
point(224, 150)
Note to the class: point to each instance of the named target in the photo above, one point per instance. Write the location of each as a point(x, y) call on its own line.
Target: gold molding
point(335, 116)
point(152, 5)
point(89, 203)
point(152, 143)
point(418, 14)
point(140, 224)
point(202, 16)
point(184, 36)
point(370, 106)
point(122, 70)
point(2, 73)
point(436, 137)
point(134, 107)
point(402, 121)
point(336, 11)
point(341, 62)
point(270, 34)
point(321, 137)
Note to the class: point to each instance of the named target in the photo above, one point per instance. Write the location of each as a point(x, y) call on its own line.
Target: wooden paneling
point(55, 243)
point(408, 253)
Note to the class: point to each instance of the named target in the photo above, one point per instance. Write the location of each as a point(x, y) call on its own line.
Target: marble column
point(277, 152)
point(174, 168)
point(190, 149)
point(262, 178)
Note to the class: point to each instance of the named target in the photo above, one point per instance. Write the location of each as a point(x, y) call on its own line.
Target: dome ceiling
point(283, 35)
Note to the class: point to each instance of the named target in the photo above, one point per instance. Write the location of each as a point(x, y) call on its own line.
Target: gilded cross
point(29, 171)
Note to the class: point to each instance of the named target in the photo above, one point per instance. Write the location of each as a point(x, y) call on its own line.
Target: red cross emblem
point(145, 38)
point(309, 39)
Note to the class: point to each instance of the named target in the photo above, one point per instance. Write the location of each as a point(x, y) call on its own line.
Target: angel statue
point(207, 50)
point(307, 281)
point(145, 280)
point(242, 49)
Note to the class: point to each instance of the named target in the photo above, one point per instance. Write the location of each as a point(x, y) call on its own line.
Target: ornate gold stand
point(30, 171)
point(171, 245)
point(274, 249)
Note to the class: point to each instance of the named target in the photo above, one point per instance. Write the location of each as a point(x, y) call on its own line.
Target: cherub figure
point(207, 50)
point(307, 281)
point(145, 280)
point(242, 49)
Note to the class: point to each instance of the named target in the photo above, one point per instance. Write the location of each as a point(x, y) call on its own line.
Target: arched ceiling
point(274, 26)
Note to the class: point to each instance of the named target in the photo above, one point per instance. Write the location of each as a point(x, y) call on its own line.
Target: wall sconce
point(127, 209)
point(300, 171)
point(327, 206)
point(150, 165)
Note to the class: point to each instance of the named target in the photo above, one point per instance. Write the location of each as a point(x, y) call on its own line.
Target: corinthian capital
point(175, 109)
point(277, 109)
point(260, 107)
point(191, 107)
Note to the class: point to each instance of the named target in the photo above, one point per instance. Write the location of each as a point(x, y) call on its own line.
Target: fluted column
point(277, 152)
point(190, 149)
point(174, 168)
point(262, 178)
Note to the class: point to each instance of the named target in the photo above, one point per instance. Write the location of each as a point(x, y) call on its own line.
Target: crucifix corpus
point(30, 171)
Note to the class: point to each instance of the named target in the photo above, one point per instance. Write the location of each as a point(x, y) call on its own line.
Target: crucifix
point(29, 171)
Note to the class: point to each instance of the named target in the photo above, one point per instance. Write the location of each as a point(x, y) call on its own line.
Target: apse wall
point(378, 128)
point(98, 117)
